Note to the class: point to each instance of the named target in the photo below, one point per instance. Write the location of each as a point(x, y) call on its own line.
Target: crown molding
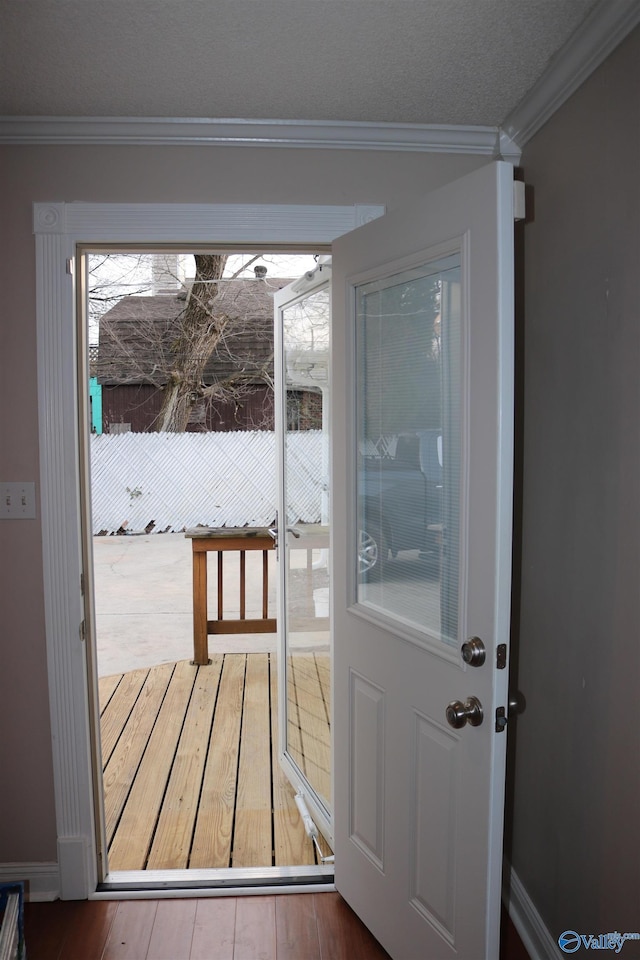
point(334, 135)
point(603, 29)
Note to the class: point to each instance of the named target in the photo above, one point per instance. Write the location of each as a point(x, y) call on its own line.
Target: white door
point(302, 322)
point(421, 534)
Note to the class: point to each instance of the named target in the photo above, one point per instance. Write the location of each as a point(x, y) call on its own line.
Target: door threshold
point(232, 881)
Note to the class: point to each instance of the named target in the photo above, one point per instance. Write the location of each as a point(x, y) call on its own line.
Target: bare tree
point(170, 341)
point(200, 330)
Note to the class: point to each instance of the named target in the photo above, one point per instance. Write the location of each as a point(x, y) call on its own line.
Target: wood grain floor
point(190, 768)
point(283, 927)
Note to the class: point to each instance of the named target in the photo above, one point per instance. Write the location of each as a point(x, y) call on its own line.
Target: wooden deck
point(190, 766)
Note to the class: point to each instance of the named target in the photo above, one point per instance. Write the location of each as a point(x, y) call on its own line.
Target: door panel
point(421, 531)
point(302, 317)
point(366, 777)
point(435, 800)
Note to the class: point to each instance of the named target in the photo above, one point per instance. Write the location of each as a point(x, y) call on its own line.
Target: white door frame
point(296, 292)
point(59, 228)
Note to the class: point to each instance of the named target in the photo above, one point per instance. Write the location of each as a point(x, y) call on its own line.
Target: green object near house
point(95, 404)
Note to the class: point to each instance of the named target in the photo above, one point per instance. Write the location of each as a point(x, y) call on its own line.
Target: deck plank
point(172, 840)
point(314, 724)
point(168, 724)
point(308, 684)
point(294, 739)
point(116, 712)
point(214, 824)
point(106, 688)
point(323, 666)
point(131, 843)
point(120, 771)
point(252, 840)
point(290, 841)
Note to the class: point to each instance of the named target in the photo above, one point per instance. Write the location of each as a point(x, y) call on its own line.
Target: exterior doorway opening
point(178, 364)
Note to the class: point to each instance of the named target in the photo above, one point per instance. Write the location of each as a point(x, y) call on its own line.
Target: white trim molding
point(538, 941)
point(319, 134)
point(601, 32)
point(603, 29)
point(184, 223)
point(41, 880)
point(59, 228)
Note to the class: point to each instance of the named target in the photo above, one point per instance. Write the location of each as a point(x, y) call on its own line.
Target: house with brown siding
point(134, 359)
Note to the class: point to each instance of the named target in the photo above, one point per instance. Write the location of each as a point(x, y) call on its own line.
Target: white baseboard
point(41, 880)
point(538, 942)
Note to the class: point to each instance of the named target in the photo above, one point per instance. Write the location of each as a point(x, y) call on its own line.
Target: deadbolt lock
point(459, 713)
point(473, 652)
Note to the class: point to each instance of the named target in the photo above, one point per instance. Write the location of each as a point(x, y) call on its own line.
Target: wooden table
point(205, 540)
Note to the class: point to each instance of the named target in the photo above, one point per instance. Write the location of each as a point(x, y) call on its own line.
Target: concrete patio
point(143, 599)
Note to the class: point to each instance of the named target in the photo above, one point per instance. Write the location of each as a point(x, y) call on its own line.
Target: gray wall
point(117, 174)
point(575, 838)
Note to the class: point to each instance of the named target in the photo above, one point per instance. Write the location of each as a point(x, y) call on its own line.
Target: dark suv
point(400, 501)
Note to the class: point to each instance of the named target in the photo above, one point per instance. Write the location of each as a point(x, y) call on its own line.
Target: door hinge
point(519, 200)
point(501, 720)
point(83, 631)
point(82, 584)
point(70, 266)
point(501, 656)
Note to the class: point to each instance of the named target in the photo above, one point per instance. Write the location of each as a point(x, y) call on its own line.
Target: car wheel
point(372, 552)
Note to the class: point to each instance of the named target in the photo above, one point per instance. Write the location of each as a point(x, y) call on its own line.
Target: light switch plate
point(17, 500)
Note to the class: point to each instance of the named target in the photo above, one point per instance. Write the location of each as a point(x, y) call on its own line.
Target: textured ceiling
point(409, 61)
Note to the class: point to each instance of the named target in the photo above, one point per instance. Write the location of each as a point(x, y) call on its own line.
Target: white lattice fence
point(169, 482)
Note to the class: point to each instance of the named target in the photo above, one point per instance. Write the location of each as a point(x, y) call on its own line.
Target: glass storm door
point(421, 484)
point(302, 319)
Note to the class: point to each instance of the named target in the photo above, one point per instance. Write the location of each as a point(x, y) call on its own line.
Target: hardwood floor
point(317, 926)
point(190, 768)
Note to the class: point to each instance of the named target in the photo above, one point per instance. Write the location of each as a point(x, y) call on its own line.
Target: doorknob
point(459, 713)
point(473, 652)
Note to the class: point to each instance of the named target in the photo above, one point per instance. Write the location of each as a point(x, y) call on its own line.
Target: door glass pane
point(408, 435)
point(306, 541)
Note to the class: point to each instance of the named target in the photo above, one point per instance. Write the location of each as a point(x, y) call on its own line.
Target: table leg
point(200, 634)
